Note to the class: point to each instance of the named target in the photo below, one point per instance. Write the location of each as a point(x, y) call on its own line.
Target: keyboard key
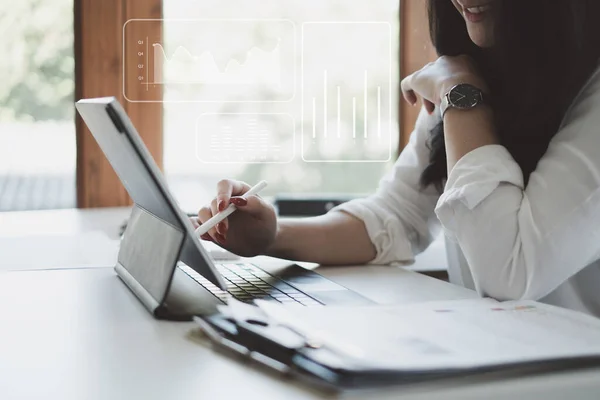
point(275, 290)
point(268, 298)
point(272, 282)
point(280, 296)
point(248, 267)
point(264, 286)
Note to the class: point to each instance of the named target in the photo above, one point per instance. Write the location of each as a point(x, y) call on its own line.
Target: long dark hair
point(544, 52)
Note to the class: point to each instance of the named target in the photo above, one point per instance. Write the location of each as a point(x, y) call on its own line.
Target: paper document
point(454, 334)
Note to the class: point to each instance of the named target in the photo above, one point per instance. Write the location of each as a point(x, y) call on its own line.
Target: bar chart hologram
point(245, 138)
point(346, 92)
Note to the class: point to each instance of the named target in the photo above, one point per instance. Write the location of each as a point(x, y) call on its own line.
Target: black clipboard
point(289, 354)
point(284, 351)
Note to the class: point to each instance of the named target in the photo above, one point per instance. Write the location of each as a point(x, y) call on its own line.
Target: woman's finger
point(204, 215)
point(252, 205)
point(223, 226)
point(429, 106)
point(410, 97)
point(407, 92)
point(206, 237)
point(226, 188)
point(214, 208)
point(217, 232)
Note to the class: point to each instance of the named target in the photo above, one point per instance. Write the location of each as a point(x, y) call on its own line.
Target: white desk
point(80, 334)
point(61, 235)
point(63, 222)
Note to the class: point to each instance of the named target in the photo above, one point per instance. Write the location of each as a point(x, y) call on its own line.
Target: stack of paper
point(453, 334)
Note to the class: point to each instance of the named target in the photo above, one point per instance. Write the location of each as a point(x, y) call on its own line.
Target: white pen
point(205, 227)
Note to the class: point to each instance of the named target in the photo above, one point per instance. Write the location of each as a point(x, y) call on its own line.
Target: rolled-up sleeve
point(523, 242)
point(399, 217)
point(474, 177)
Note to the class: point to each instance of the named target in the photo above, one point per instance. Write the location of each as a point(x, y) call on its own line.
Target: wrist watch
point(462, 97)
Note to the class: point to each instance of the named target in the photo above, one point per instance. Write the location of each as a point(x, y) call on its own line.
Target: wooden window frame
point(416, 50)
point(99, 72)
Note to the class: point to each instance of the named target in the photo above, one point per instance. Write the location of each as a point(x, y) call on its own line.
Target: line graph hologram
point(211, 60)
point(260, 67)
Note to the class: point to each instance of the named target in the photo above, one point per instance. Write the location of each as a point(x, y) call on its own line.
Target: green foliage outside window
point(36, 62)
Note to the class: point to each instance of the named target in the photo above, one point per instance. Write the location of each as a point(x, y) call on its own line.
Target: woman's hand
point(435, 79)
point(249, 231)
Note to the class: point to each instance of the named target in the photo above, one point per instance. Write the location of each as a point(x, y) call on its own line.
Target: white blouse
point(506, 241)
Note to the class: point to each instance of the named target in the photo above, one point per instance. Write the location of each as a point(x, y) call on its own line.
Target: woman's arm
point(465, 131)
point(520, 242)
point(333, 238)
point(392, 225)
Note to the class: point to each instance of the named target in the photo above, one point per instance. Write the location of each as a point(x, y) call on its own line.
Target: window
point(37, 132)
point(293, 92)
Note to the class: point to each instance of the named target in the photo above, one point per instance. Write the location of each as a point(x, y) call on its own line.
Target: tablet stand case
point(150, 251)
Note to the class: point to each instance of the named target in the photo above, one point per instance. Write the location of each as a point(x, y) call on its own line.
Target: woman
point(505, 157)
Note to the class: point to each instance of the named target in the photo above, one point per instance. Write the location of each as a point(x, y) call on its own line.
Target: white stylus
point(205, 227)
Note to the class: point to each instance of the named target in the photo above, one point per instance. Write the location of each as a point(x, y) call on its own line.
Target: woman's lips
point(476, 13)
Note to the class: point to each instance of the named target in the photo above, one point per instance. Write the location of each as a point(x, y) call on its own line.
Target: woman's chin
point(483, 42)
point(481, 34)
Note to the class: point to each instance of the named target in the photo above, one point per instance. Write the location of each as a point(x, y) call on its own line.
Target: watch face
point(464, 96)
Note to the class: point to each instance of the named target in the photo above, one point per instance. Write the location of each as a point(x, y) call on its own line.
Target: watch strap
point(445, 104)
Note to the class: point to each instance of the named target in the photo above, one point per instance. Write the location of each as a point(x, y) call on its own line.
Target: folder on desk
point(371, 346)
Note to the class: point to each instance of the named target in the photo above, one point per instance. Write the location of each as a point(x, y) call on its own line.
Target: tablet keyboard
point(246, 282)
